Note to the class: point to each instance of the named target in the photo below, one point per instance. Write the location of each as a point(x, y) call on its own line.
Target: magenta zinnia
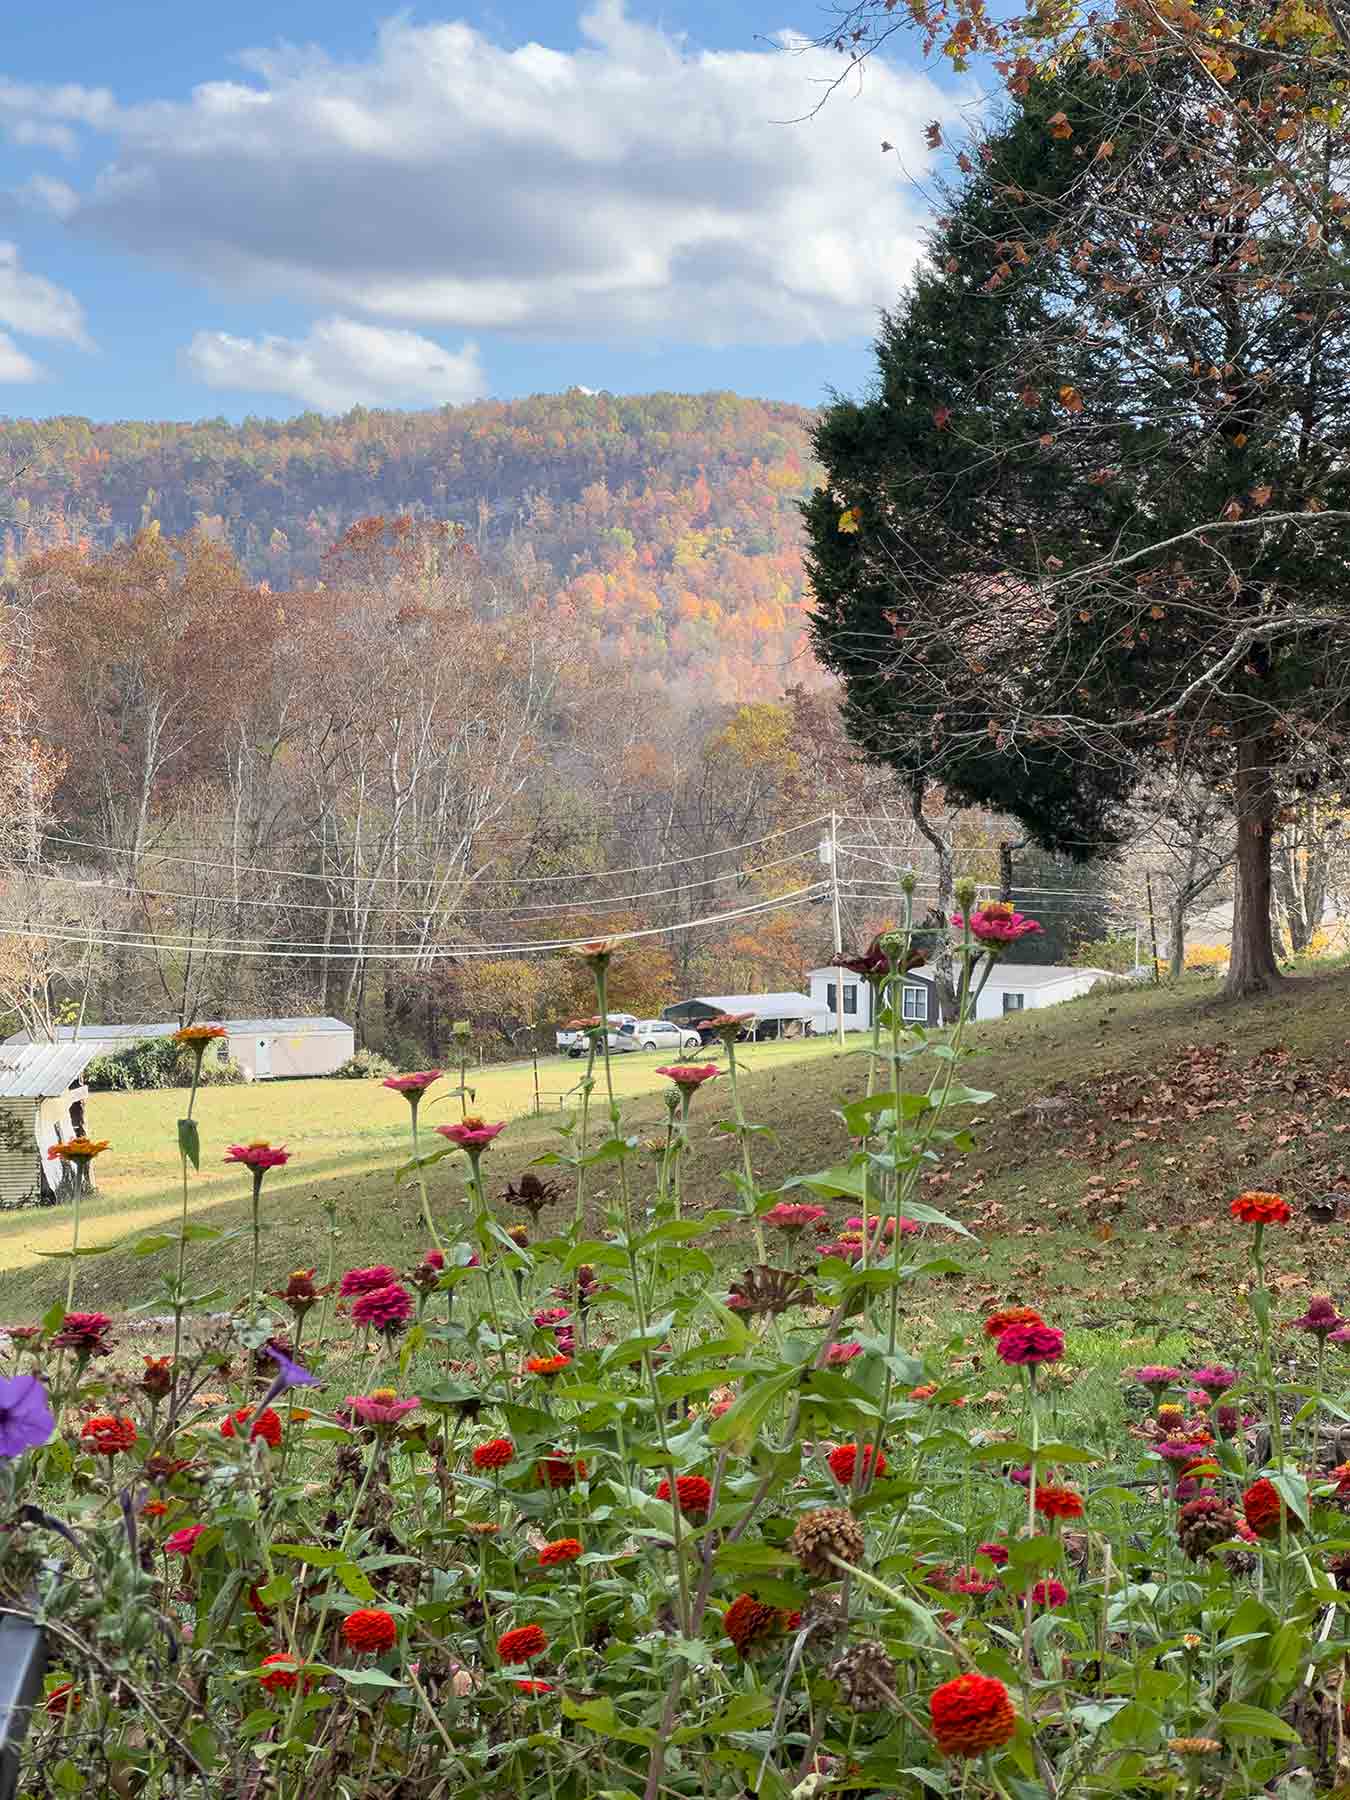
point(384, 1308)
point(1027, 1346)
point(259, 1156)
point(996, 923)
point(472, 1134)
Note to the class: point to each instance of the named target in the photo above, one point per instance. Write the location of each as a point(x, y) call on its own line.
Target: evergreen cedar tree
point(1127, 330)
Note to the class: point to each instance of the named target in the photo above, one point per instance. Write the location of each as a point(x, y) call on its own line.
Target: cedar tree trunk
point(1252, 968)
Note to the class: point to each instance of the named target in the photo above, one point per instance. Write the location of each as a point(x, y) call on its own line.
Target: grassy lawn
point(1108, 1206)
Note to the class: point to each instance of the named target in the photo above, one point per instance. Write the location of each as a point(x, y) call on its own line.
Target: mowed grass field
point(1098, 1190)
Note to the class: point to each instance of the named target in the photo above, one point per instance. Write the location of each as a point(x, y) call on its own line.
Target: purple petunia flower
point(290, 1374)
point(25, 1416)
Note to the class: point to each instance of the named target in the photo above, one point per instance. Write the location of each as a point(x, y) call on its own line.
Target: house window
point(831, 995)
point(223, 1050)
point(1014, 1002)
point(851, 997)
point(914, 1003)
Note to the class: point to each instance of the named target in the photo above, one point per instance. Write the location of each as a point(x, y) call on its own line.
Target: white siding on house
point(1011, 987)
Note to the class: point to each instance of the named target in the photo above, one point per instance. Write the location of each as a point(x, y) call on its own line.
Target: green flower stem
point(182, 1238)
point(747, 1161)
point(414, 1101)
point(253, 1272)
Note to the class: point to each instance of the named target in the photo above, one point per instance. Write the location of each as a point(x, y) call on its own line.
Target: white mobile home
point(41, 1104)
point(774, 1015)
point(1011, 987)
point(263, 1048)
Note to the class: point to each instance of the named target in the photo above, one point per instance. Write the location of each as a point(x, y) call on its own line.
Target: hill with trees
point(665, 525)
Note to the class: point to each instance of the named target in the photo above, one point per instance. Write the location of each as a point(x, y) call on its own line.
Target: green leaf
point(1293, 1490)
point(373, 1678)
point(929, 1215)
point(738, 1424)
point(424, 1161)
point(51, 1319)
point(318, 1556)
point(356, 1581)
point(148, 1246)
point(68, 1255)
point(1237, 1719)
point(190, 1142)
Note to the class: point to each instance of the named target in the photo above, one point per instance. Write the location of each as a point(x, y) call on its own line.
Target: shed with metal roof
point(263, 1048)
point(771, 1015)
point(42, 1100)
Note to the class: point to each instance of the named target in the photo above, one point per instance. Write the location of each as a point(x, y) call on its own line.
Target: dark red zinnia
point(844, 1459)
point(694, 1492)
point(520, 1645)
point(370, 1628)
point(495, 1454)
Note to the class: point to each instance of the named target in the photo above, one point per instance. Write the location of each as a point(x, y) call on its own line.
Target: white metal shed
point(39, 1086)
point(263, 1048)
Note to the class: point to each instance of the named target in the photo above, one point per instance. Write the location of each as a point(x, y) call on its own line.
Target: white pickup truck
point(574, 1042)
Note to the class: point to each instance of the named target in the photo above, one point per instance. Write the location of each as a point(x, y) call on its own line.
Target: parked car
point(660, 1034)
point(621, 1042)
point(574, 1042)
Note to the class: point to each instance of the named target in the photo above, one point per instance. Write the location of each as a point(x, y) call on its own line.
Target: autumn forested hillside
point(664, 524)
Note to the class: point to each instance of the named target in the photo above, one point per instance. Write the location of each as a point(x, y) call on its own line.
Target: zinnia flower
point(996, 923)
point(25, 1416)
point(997, 1553)
point(843, 1460)
point(1050, 1593)
point(750, 1624)
point(1008, 1316)
point(1215, 1380)
point(520, 1645)
point(412, 1087)
point(1028, 1346)
point(1264, 1509)
point(550, 1316)
point(471, 1134)
point(266, 1426)
point(259, 1156)
point(386, 1308)
point(839, 1354)
point(1157, 1378)
point(1181, 1447)
point(184, 1542)
point(282, 1676)
point(561, 1550)
point(300, 1292)
point(559, 1472)
point(794, 1216)
point(109, 1436)
point(547, 1365)
point(1257, 1208)
point(970, 1581)
point(365, 1281)
point(383, 1407)
point(970, 1715)
point(690, 1077)
point(1320, 1319)
point(63, 1698)
point(197, 1037)
point(493, 1455)
point(77, 1150)
point(693, 1491)
point(84, 1333)
point(157, 1380)
point(534, 1687)
point(370, 1628)
point(1058, 1502)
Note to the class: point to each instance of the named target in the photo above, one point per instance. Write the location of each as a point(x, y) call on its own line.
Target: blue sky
point(209, 210)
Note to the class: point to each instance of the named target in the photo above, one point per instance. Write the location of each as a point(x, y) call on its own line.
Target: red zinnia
point(370, 1628)
point(493, 1455)
point(971, 1715)
point(997, 1553)
point(1006, 1316)
point(1049, 1593)
point(843, 1460)
point(547, 1365)
point(1059, 1502)
point(1263, 1508)
point(266, 1426)
point(561, 1550)
point(694, 1492)
point(750, 1624)
point(183, 1542)
point(63, 1698)
point(1030, 1345)
point(559, 1472)
point(282, 1678)
point(520, 1645)
point(534, 1687)
point(109, 1436)
point(1257, 1208)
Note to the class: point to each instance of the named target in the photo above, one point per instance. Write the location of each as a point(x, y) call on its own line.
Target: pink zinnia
point(997, 1553)
point(472, 1134)
point(258, 1157)
point(838, 1354)
point(365, 1281)
point(380, 1408)
point(182, 1543)
point(413, 1086)
point(1029, 1345)
point(551, 1315)
point(434, 1259)
point(689, 1077)
point(849, 1252)
point(386, 1308)
point(790, 1215)
point(1215, 1379)
point(996, 923)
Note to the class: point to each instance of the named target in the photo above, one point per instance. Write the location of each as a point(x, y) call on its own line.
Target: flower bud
point(965, 893)
point(462, 1030)
point(908, 882)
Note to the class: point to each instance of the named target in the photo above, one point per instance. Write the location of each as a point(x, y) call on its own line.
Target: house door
point(262, 1058)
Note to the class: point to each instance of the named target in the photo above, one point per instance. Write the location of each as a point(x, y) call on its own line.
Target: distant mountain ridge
point(667, 521)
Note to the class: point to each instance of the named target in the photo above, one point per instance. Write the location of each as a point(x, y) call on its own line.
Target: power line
point(238, 868)
point(431, 953)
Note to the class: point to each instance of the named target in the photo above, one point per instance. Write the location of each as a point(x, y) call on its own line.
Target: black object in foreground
point(23, 1661)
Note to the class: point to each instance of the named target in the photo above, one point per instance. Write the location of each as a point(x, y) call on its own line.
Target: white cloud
point(634, 187)
point(36, 306)
point(340, 364)
point(14, 365)
point(45, 194)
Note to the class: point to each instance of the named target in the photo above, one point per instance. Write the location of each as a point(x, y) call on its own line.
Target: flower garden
point(600, 1499)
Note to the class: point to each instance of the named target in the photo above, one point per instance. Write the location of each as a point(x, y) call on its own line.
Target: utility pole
point(838, 928)
point(1152, 925)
